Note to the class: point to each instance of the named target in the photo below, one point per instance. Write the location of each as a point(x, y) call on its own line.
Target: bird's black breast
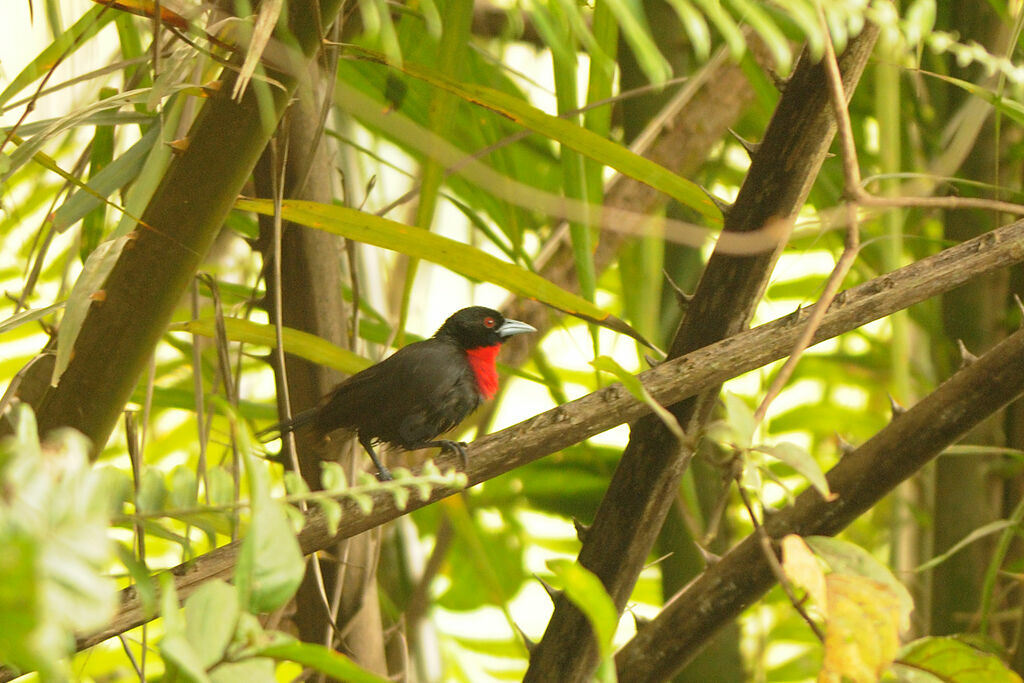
point(421, 391)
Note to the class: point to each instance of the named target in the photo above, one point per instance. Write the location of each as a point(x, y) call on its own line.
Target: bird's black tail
point(282, 428)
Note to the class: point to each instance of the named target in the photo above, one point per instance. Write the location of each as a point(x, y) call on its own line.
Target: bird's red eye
point(490, 322)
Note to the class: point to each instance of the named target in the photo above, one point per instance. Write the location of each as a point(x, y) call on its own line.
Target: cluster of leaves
point(54, 517)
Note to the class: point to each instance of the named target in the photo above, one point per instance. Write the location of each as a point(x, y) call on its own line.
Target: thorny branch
point(671, 381)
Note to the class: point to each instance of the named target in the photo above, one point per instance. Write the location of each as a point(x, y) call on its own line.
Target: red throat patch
point(481, 359)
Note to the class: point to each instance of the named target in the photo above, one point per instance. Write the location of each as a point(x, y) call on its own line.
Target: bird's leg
point(383, 473)
point(457, 447)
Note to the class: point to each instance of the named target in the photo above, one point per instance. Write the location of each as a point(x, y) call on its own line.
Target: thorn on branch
point(581, 530)
point(682, 298)
point(966, 357)
point(178, 146)
point(896, 408)
point(779, 81)
point(845, 447)
point(723, 206)
point(552, 592)
point(640, 622)
point(750, 146)
point(529, 644)
point(710, 558)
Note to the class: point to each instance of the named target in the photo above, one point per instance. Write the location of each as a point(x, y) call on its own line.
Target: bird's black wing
point(413, 395)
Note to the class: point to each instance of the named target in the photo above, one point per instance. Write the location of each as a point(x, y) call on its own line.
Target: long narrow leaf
point(456, 256)
point(302, 344)
point(570, 134)
point(66, 43)
point(116, 174)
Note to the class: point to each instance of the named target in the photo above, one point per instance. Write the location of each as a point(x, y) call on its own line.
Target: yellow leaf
point(862, 630)
point(803, 569)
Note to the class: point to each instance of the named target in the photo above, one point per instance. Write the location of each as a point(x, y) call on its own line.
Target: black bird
point(421, 391)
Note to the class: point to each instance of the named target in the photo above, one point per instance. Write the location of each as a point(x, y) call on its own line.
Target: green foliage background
point(476, 146)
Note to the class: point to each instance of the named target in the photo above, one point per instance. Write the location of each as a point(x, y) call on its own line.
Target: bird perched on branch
point(421, 391)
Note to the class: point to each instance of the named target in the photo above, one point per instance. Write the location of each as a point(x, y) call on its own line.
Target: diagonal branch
point(669, 383)
point(646, 482)
point(860, 480)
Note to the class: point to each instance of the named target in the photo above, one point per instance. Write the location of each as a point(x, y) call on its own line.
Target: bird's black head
point(478, 326)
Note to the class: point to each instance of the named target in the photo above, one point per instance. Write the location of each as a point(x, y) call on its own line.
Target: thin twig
point(199, 392)
point(135, 456)
point(773, 562)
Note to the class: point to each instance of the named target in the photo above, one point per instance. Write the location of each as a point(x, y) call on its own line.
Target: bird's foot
point(384, 474)
point(457, 447)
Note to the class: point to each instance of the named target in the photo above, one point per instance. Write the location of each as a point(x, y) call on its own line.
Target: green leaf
point(211, 614)
point(221, 486)
point(31, 149)
point(918, 20)
point(587, 592)
point(639, 392)
point(101, 154)
point(253, 670)
point(363, 501)
point(696, 27)
point(1013, 109)
point(332, 476)
point(400, 494)
point(754, 14)
point(979, 533)
point(320, 658)
point(266, 573)
point(461, 258)
point(270, 563)
point(20, 608)
point(184, 489)
point(270, 566)
point(801, 461)
point(87, 289)
point(740, 419)
point(331, 510)
point(862, 628)
point(115, 175)
point(144, 185)
point(948, 659)
point(179, 656)
point(142, 580)
point(302, 344)
point(575, 137)
point(181, 660)
point(94, 19)
point(294, 484)
point(726, 26)
point(637, 33)
point(152, 493)
point(29, 315)
point(54, 518)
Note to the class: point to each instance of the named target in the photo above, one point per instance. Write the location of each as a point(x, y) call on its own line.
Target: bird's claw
point(459, 448)
point(384, 474)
